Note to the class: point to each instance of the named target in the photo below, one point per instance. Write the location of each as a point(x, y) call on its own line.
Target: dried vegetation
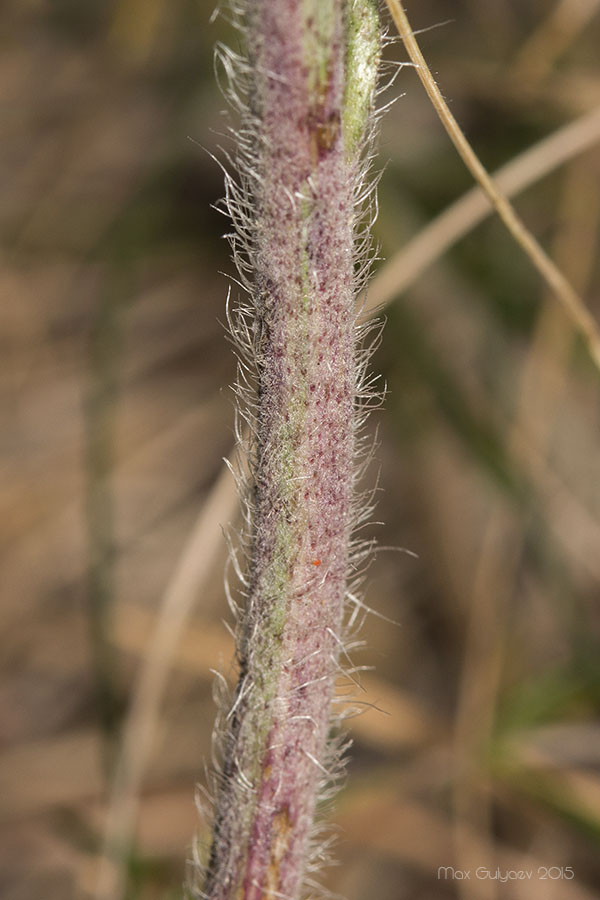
point(479, 744)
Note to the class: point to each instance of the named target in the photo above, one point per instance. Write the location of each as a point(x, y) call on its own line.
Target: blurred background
point(484, 750)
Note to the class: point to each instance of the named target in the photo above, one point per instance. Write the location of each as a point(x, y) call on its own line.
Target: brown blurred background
point(485, 750)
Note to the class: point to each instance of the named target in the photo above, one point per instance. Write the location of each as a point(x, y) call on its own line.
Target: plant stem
point(309, 79)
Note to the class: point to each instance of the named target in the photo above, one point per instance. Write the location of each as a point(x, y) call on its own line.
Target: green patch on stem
point(363, 49)
point(280, 570)
point(319, 26)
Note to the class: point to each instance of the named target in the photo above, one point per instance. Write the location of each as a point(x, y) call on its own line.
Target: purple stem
point(309, 81)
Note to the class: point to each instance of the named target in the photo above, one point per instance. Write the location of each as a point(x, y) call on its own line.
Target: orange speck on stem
point(316, 562)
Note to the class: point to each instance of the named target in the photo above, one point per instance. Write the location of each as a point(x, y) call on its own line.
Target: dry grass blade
point(473, 207)
point(552, 38)
point(541, 387)
point(193, 568)
point(560, 287)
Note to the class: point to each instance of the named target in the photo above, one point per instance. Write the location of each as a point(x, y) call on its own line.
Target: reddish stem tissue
point(305, 90)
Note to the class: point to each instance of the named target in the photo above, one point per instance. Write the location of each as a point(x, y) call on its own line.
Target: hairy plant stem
point(309, 81)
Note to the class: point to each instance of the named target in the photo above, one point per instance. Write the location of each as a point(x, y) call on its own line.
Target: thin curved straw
point(474, 206)
point(192, 571)
point(552, 38)
point(560, 287)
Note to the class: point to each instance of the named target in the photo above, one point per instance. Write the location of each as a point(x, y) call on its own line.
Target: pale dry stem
point(192, 570)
